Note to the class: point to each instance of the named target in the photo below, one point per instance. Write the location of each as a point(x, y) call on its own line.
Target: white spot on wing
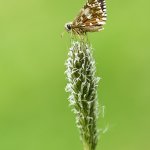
point(89, 16)
point(93, 5)
point(101, 23)
point(100, 29)
point(81, 18)
point(105, 15)
point(86, 11)
point(104, 18)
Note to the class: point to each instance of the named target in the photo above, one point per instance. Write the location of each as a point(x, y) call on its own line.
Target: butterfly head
point(68, 26)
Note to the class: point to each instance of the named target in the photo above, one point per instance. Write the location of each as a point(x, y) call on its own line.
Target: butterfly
point(91, 18)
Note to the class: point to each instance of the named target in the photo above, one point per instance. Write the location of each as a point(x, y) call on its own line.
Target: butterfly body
point(91, 18)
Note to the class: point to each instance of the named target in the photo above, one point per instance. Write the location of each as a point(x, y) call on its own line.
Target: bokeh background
point(34, 111)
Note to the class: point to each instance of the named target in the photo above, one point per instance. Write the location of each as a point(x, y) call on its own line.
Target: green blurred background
point(34, 111)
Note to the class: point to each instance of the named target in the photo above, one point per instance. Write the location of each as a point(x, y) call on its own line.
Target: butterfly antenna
point(62, 34)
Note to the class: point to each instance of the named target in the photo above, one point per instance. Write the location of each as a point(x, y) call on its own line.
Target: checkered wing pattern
point(92, 17)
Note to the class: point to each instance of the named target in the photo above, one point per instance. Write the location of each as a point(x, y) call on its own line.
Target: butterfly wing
point(92, 16)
